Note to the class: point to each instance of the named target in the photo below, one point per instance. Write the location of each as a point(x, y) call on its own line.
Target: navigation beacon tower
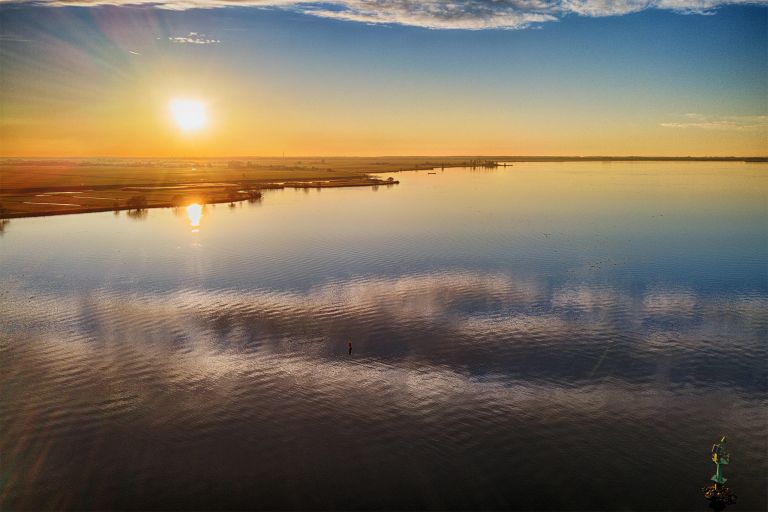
point(718, 493)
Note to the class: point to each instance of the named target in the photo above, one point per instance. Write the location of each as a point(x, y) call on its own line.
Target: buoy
point(717, 492)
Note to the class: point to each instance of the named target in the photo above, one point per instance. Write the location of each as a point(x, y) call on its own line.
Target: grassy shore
point(39, 187)
point(34, 187)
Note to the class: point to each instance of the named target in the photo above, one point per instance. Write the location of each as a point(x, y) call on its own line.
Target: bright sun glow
point(189, 115)
point(194, 212)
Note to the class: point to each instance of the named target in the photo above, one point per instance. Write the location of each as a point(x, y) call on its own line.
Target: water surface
point(544, 336)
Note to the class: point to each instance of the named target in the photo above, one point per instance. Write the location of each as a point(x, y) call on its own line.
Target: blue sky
point(658, 81)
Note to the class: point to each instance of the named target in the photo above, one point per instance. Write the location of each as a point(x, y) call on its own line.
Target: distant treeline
point(633, 158)
point(425, 161)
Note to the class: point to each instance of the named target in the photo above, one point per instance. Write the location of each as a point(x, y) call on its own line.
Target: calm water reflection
point(195, 213)
point(548, 336)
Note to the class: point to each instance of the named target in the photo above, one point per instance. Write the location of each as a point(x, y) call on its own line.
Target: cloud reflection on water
point(190, 366)
point(426, 319)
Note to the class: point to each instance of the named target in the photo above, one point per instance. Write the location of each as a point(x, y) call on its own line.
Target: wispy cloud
point(725, 123)
point(13, 39)
point(435, 14)
point(193, 38)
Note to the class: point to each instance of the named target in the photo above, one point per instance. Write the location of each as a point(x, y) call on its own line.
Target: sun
point(189, 115)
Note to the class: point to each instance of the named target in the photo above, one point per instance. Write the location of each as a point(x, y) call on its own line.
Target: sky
point(384, 77)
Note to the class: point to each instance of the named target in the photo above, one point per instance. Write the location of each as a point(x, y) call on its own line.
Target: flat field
point(50, 187)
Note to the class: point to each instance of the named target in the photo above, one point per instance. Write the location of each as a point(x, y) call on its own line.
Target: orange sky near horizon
point(139, 125)
point(99, 84)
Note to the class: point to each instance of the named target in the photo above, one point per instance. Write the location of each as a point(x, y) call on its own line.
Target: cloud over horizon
point(432, 14)
point(193, 38)
point(724, 123)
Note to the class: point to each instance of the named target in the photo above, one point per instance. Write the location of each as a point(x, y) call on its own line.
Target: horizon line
point(493, 156)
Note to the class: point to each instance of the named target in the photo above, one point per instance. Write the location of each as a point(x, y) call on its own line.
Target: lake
point(561, 336)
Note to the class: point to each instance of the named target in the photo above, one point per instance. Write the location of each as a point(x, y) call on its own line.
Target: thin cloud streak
point(723, 123)
point(432, 14)
point(193, 38)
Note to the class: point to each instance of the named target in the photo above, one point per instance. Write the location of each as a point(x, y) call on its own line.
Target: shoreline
point(47, 187)
point(253, 193)
point(32, 160)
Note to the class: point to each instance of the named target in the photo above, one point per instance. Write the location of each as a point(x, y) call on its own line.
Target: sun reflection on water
point(195, 213)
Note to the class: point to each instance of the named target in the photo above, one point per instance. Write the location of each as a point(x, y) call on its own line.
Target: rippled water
point(545, 336)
